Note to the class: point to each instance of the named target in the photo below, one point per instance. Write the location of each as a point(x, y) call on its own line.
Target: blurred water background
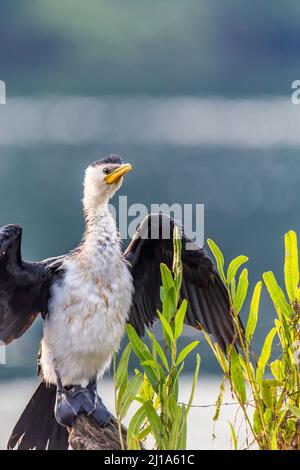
point(196, 95)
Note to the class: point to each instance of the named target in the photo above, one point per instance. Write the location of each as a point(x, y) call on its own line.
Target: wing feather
point(208, 302)
point(24, 287)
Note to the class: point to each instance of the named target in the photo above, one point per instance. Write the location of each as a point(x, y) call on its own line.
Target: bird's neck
point(100, 227)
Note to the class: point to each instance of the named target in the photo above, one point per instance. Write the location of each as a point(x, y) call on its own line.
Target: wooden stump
point(86, 434)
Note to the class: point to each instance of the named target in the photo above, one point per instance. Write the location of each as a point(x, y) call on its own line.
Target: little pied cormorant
point(86, 297)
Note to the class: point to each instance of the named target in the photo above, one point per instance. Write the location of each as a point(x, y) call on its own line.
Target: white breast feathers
point(88, 309)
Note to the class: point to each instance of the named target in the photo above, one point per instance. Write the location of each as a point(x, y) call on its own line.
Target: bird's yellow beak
point(117, 174)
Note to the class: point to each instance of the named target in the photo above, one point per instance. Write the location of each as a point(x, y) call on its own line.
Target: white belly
point(86, 321)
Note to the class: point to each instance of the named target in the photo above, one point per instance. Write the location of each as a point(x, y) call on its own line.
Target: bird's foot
point(76, 400)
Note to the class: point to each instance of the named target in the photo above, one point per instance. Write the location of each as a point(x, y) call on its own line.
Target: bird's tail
point(37, 427)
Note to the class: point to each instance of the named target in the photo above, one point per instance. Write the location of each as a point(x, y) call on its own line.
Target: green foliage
point(273, 386)
point(269, 384)
point(155, 388)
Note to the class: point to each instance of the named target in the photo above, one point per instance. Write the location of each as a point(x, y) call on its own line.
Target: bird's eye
point(106, 171)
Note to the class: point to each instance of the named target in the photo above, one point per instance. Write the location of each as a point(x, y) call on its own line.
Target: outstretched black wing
point(24, 287)
point(208, 303)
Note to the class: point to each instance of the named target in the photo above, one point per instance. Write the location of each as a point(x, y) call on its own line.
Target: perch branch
point(86, 434)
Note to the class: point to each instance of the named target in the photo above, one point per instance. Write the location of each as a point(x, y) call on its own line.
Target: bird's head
point(102, 179)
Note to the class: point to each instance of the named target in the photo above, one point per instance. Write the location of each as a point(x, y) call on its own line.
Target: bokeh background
point(195, 94)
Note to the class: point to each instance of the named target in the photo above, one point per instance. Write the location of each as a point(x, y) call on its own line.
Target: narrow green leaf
point(159, 350)
point(195, 378)
point(218, 257)
point(183, 436)
point(156, 424)
point(234, 266)
point(267, 393)
point(291, 267)
point(179, 318)
point(237, 376)
point(131, 392)
point(140, 348)
point(265, 355)
point(276, 294)
point(122, 366)
point(257, 426)
point(268, 417)
point(134, 429)
point(142, 352)
point(166, 326)
point(221, 358)
point(175, 431)
point(187, 350)
point(233, 436)
point(166, 277)
point(276, 429)
point(216, 351)
point(277, 370)
point(253, 314)
point(169, 304)
point(144, 434)
point(241, 291)
point(295, 410)
point(157, 368)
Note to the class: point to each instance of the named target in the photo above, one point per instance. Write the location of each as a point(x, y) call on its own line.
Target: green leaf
point(196, 374)
point(175, 431)
point(157, 347)
point(221, 358)
point(218, 257)
point(276, 294)
point(277, 370)
point(140, 348)
point(187, 350)
point(233, 436)
point(183, 436)
point(241, 291)
point(268, 417)
point(130, 394)
point(267, 393)
point(166, 277)
point(142, 352)
point(122, 366)
point(291, 267)
point(265, 355)
point(156, 424)
point(257, 426)
point(144, 434)
point(134, 429)
point(234, 266)
point(253, 314)
point(295, 410)
point(237, 376)
point(216, 350)
point(179, 318)
point(169, 305)
point(166, 326)
point(276, 429)
point(157, 368)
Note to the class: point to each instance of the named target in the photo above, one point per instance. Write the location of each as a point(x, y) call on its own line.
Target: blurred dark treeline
point(157, 47)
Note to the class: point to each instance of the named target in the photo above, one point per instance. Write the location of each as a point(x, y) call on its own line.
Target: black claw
point(70, 403)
